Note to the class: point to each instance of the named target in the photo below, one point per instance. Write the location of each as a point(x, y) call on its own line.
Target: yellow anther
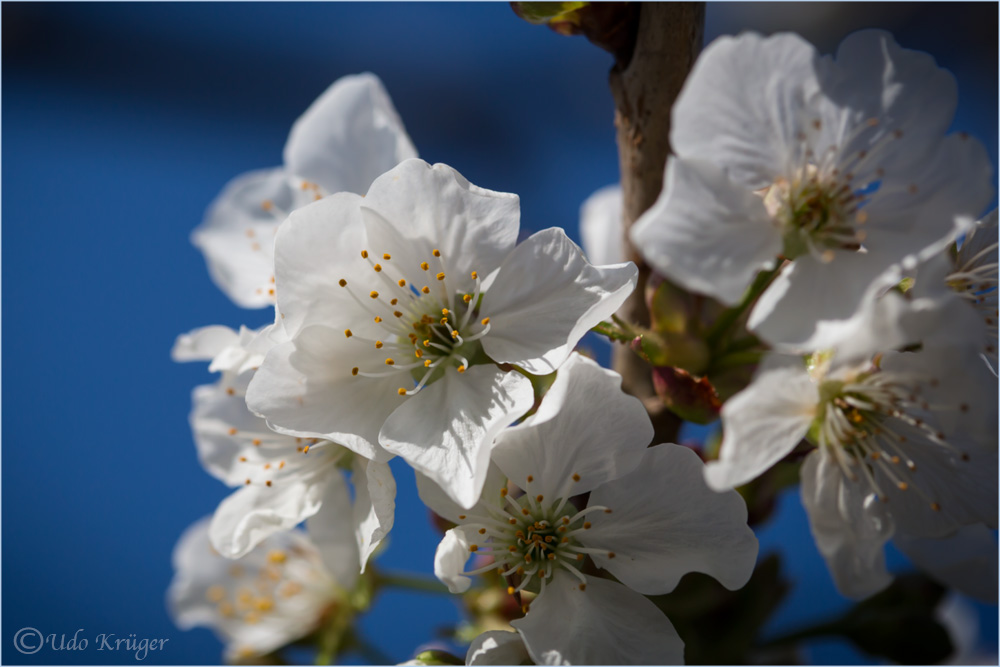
point(267, 205)
point(510, 590)
point(348, 333)
point(440, 276)
point(539, 498)
point(373, 294)
point(389, 362)
point(461, 369)
point(364, 254)
point(425, 289)
point(354, 371)
point(444, 311)
point(397, 313)
point(343, 283)
point(290, 589)
point(475, 275)
point(402, 283)
point(377, 267)
point(454, 333)
point(467, 298)
point(525, 512)
point(215, 593)
point(233, 431)
point(427, 363)
point(425, 266)
point(386, 256)
point(427, 342)
point(485, 321)
point(412, 337)
point(564, 540)
point(503, 492)
point(264, 604)
point(531, 478)
point(482, 531)
point(377, 319)
point(473, 547)
point(586, 525)
point(436, 252)
point(230, 391)
point(579, 556)
point(248, 482)
point(256, 443)
point(576, 477)
point(461, 517)
point(551, 556)
point(418, 353)
point(611, 554)
point(378, 345)
point(268, 482)
point(607, 511)
point(305, 450)
point(243, 459)
point(444, 320)
point(394, 302)
point(401, 391)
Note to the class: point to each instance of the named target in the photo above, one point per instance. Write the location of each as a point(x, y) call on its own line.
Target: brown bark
point(668, 39)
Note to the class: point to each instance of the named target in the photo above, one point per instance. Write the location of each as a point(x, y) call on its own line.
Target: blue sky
point(122, 121)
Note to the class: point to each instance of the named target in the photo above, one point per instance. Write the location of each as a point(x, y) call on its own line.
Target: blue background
point(122, 121)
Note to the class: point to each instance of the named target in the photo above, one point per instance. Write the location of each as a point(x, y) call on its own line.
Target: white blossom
point(840, 165)
point(276, 594)
point(649, 520)
point(350, 135)
point(406, 310)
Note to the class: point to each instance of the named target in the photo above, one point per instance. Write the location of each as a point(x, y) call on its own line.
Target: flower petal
point(850, 529)
point(374, 505)
point(446, 431)
point(317, 247)
point(966, 561)
point(546, 297)
point(586, 432)
point(666, 522)
point(601, 227)
point(348, 137)
point(442, 505)
point(417, 208)
point(497, 647)
point(331, 531)
point(203, 344)
point(606, 624)
point(237, 235)
point(763, 423)
point(742, 103)
point(305, 388)
point(706, 233)
point(450, 558)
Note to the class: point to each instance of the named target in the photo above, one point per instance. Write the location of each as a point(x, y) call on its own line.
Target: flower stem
point(410, 582)
point(723, 326)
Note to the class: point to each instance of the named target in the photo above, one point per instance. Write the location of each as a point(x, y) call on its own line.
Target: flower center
point(868, 422)
point(530, 536)
point(422, 331)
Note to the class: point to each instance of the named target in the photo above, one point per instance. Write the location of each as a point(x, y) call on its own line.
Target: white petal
point(442, 505)
point(250, 515)
point(317, 247)
point(800, 311)
point(601, 227)
point(585, 427)
point(305, 388)
point(497, 647)
point(446, 431)
point(850, 529)
point(419, 208)
point(332, 532)
point(966, 561)
point(606, 624)
point(450, 558)
point(348, 137)
point(203, 344)
point(237, 235)
point(666, 522)
point(546, 297)
point(743, 103)
point(762, 424)
point(374, 505)
point(706, 233)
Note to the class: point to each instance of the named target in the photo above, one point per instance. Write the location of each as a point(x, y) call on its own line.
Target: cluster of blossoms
point(819, 194)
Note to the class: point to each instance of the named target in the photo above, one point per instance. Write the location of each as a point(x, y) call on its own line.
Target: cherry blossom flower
point(840, 165)
point(277, 593)
point(649, 520)
point(281, 479)
point(906, 446)
point(350, 135)
point(601, 229)
point(407, 311)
